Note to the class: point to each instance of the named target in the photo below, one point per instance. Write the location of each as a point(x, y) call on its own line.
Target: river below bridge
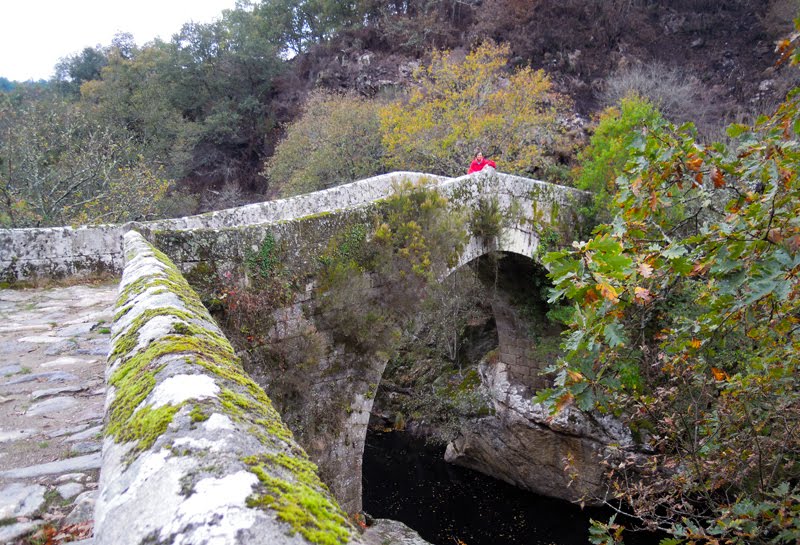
point(404, 479)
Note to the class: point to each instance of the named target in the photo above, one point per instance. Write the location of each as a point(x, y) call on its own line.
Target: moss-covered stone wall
point(194, 450)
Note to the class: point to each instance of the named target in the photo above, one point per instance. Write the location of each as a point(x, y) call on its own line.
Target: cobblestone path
point(53, 348)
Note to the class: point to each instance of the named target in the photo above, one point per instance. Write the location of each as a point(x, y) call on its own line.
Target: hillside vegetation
point(197, 119)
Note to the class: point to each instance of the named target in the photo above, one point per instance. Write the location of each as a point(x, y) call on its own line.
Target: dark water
point(408, 481)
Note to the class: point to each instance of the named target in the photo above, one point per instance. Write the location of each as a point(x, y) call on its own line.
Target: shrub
point(336, 140)
point(609, 150)
point(685, 326)
point(671, 90)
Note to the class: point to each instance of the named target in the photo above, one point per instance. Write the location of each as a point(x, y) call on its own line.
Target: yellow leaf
point(574, 376)
point(608, 291)
point(695, 343)
point(719, 374)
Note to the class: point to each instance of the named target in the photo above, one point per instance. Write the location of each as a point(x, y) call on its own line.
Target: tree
point(336, 140)
point(686, 327)
point(609, 150)
point(73, 71)
point(220, 78)
point(58, 166)
point(459, 105)
point(134, 92)
point(297, 24)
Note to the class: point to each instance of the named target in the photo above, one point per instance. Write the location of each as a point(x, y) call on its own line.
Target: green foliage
point(73, 71)
point(486, 219)
point(460, 105)
point(416, 237)
point(604, 159)
point(300, 23)
point(685, 325)
point(336, 140)
point(265, 261)
point(200, 103)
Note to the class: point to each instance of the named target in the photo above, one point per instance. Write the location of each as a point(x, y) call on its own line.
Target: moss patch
point(303, 502)
point(197, 414)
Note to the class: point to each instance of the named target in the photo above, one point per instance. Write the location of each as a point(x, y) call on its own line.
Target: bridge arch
point(327, 401)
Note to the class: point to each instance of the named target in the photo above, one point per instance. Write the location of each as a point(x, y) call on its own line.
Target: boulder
point(558, 456)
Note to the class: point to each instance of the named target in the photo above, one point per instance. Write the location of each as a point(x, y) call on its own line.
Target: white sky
point(35, 34)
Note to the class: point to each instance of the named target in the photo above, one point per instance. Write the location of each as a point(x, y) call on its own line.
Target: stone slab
point(91, 433)
point(80, 463)
point(67, 431)
point(86, 447)
point(52, 405)
point(39, 394)
point(20, 500)
point(67, 360)
point(15, 531)
point(41, 339)
point(49, 376)
point(69, 490)
point(15, 435)
point(10, 370)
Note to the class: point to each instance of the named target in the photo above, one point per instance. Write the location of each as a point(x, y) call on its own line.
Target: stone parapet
point(58, 252)
point(66, 251)
point(194, 451)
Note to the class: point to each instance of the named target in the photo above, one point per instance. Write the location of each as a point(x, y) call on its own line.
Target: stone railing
point(67, 251)
point(77, 251)
point(194, 451)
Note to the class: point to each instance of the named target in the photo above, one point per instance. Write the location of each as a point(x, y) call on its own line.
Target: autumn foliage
point(687, 326)
point(461, 104)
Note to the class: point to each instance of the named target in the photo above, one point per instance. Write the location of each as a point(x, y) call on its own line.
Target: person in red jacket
point(479, 162)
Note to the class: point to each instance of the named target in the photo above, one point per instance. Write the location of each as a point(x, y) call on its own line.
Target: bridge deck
point(54, 344)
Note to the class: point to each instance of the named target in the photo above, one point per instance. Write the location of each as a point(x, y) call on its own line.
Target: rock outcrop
point(557, 456)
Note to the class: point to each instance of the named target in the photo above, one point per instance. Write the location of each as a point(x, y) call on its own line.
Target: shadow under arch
point(528, 332)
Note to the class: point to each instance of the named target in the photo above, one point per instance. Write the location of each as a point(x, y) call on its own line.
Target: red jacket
point(476, 166)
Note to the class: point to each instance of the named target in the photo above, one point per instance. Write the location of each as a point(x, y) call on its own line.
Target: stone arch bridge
point(178, 395)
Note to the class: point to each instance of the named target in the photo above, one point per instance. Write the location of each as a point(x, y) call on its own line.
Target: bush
point(685, 326)
point(336, 140)
point(609, 150)
point(672, 91)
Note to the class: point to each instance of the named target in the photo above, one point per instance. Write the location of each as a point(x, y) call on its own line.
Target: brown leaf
point(608, 291)
point(653, 200)
point(775, 235)
point(564, 400)
point(694, 164)
point(645, 270)
point(717, 178)
point(642, 295)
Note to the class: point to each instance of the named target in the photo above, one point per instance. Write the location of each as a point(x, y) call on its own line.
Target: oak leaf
point(642, 295)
